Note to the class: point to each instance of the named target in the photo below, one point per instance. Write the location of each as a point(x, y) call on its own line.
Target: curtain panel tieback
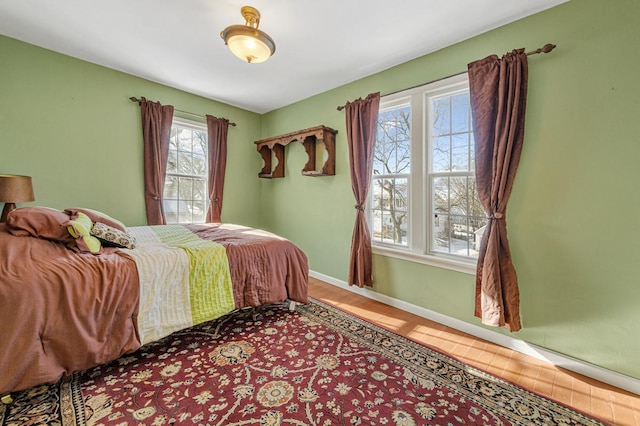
point(358, 207)
point(495, 216)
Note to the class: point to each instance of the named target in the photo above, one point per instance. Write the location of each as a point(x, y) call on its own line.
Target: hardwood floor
point(597, 399)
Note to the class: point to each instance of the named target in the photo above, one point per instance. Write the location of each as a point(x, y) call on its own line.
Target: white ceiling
point(320, 44)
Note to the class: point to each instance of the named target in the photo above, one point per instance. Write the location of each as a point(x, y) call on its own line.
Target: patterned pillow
point(113, 237)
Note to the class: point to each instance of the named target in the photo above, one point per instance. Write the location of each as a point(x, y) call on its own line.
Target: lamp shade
point(247, 42)
point(16, 189)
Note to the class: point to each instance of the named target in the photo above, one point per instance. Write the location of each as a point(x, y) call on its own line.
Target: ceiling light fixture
point(247, 42)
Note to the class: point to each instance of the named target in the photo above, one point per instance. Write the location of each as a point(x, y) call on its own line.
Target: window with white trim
point(185, 188)
point(424, 204)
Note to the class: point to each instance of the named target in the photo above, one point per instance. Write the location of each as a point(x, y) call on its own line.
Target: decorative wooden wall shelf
point(309, 138)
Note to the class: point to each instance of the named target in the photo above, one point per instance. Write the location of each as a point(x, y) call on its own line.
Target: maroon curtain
point(498, 91)
point(217, 131)
point(156, 131)
point(362, 117)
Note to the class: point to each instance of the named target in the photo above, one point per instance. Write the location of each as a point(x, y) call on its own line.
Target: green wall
point(71, 126)
point(573, 215)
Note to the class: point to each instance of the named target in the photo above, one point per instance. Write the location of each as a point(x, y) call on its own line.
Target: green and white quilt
point(184, 280)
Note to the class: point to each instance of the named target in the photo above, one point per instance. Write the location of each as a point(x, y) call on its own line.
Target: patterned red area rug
point(313, 366)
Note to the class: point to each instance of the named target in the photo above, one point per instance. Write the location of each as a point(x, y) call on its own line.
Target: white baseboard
point(610, 377)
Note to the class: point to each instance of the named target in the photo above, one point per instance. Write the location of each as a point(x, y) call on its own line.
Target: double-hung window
point(185, 188)
point(424, 205)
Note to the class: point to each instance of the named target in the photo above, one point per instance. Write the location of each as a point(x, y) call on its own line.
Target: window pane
point(172, 161)
point(472, 152)
point(460, 152)
point(376, 225)
point(389, 210)
point(478, 225)
point(199, 164)
point(441, 154)
point(173, 138)
point(475, 208)
point(401, 193)
point(376, 195)
point(403, 156)
point(441, 228)
point(460, 113)
point(199, 143)
point(186, 188)
point(184, 140)
point(398, 191)
point(461, 236)
point(185, 163)
point(199, 190)
point(441, 116)
point(392, 154)
point(170, 210)
point(458, 191)
point(199, 211)
point(387, 228)
point(441, 195)
point(385, 194)
point(184, 212)
point(170, 188)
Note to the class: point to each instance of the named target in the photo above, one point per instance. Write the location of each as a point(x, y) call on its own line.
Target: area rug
point(316, 365)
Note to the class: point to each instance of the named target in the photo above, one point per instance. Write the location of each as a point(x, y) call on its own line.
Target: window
point(424, 204)
point(185, 188)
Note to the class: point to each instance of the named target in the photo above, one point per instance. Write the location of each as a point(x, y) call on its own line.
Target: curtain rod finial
point(548, 48)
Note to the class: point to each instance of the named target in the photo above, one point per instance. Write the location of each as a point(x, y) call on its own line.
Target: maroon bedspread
point(63, 311)
point(260, 263)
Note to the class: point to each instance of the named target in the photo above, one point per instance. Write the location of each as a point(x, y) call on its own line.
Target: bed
point(66, 306)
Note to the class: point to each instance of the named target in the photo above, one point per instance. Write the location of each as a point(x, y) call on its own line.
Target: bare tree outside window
point(391, 167)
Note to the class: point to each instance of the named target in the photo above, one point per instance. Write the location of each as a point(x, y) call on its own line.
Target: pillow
point(80, 229)
point(40, 222)
point(97, 217)
point(113, 237)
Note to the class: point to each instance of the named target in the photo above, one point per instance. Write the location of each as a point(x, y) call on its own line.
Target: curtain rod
point(134, 99)
point(544, 49)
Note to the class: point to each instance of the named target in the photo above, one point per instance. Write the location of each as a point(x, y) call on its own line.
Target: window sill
point(425, 259)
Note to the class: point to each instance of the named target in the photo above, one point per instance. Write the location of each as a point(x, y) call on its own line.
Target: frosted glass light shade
point(247, 42)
